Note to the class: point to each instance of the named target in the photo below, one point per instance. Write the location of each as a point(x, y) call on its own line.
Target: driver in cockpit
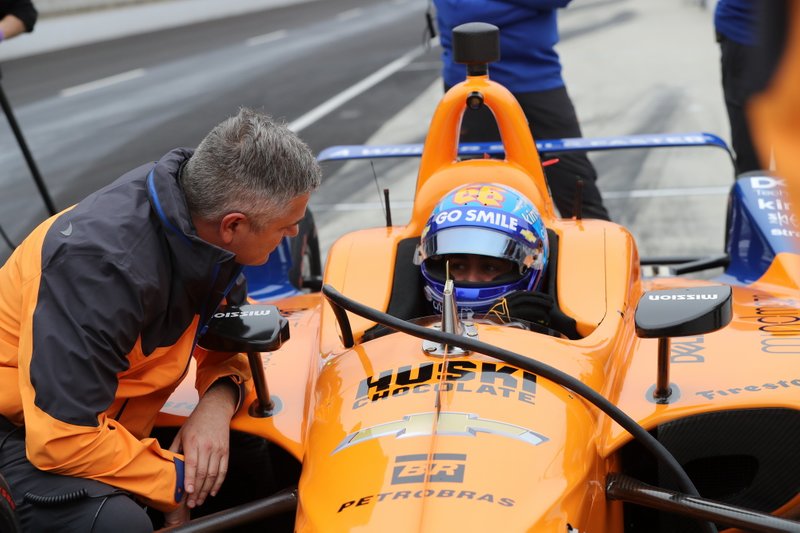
point(490, 239)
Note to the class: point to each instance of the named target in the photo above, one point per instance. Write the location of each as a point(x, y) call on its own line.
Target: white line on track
point(266, 38)
point(103, 82)
point(347, 15)
point(343, 97)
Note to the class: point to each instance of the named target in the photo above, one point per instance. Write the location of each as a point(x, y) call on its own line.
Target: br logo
point(436, 468)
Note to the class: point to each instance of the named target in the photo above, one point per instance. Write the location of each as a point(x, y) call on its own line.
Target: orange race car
point(676, 409)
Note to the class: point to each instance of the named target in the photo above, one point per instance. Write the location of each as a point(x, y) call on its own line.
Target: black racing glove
point(532, 306)
point(540, 308)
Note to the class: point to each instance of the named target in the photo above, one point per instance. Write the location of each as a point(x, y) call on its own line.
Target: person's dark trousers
point(738, 86)
point(53, 503)
point(550, 115)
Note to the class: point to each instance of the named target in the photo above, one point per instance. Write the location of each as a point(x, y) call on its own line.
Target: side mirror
point(245, 328)
point(681, 312)
point(251, 329)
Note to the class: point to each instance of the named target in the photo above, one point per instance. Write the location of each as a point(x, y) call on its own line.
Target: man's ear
point(231, 226)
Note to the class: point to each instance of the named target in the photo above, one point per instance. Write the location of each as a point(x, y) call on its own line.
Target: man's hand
point(204, 442)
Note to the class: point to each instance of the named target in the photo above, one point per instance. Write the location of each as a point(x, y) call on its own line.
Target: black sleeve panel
point(22, 9)
point(87, 319)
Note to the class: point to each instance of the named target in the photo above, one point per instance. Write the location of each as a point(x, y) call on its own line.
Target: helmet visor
point(480, 241)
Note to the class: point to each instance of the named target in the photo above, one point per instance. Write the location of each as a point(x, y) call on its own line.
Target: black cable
point(97, 514)
point(531, 365)
point(55, 499)
point(68, 497)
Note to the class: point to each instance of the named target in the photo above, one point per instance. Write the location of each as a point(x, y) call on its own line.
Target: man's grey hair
point(250, 164)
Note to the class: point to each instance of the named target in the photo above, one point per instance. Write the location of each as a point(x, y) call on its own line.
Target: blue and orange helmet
point(485, 219)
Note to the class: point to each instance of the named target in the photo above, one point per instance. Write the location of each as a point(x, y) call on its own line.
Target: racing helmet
point(485, 219)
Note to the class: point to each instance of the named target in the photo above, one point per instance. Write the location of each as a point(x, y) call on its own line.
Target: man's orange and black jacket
point(100, 308)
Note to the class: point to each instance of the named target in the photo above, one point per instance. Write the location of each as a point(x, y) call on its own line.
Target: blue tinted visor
point(480, 241)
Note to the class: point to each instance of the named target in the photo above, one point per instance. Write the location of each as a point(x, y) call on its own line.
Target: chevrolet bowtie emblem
point(426, 424)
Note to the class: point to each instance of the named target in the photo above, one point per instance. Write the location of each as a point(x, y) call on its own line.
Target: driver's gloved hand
point(540, 308)
point(532, 306)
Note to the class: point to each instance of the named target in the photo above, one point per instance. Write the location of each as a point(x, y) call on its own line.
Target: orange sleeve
point(107, 453)
point(212, 366)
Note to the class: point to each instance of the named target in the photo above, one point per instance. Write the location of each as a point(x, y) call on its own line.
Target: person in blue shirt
point(736, 29)
point(530, 68)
